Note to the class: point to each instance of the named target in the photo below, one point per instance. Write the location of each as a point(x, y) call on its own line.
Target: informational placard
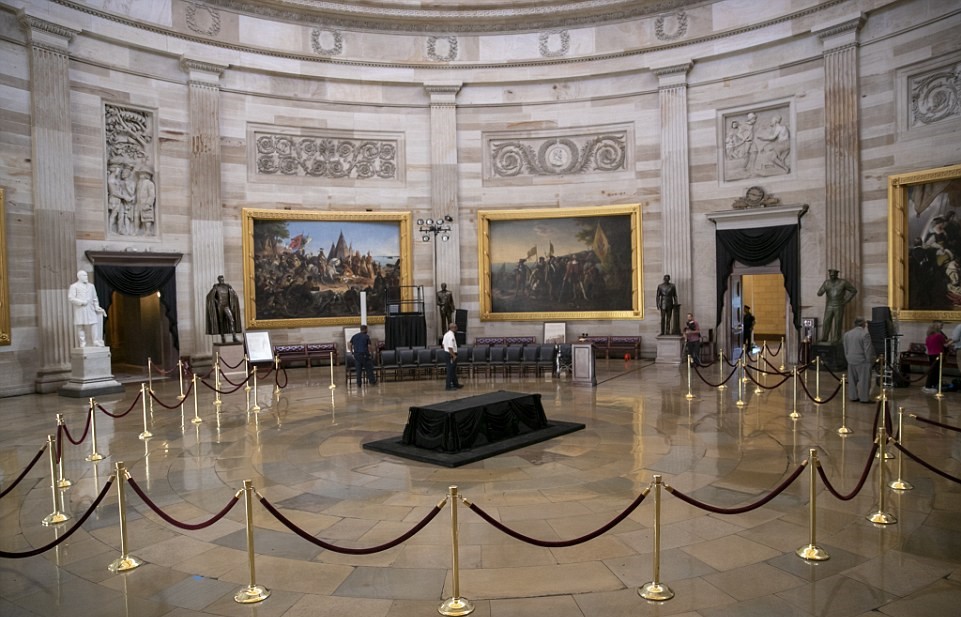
point(258, 347)
point(555, 332)
point(349, 334)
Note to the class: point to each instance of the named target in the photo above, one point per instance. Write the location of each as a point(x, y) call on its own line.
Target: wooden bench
point(619, 346)
point(308, 353)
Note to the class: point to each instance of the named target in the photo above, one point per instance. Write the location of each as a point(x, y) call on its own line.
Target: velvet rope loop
point(63, 538)
point(215, 389)
point(697, 371)
point(345, 550)
point(188, 526)
point(740, 509)
point(25, 471)
point(241, 383)
point(804, 387)
point(935, 423)
point(190, 387)
point(59, 449)
point(161, 371)
point(123, 413)
point(239, 362)
point(772, 352)
point(762, 386)
point(282, 370)
point(861, 480)
point(86, 429)
point(917, 459)
point(775, 370)
point(559, 543)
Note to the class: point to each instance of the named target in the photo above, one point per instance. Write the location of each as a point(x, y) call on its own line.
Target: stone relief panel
point(545, 154)
point(554, 44)
point(326, 41)
point(935, 95)
point(756, 143)
point(130, 149)
point(202, 19)
point(353, 156)
point(671, 26)
point(442, 48)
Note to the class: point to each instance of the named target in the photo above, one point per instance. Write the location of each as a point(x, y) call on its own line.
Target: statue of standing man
point(839, 292)
point(445, 302)
point(223, 309)
point(667, 305)
point(87, 314)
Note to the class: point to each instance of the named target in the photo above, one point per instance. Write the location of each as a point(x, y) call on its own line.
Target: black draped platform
point(461, 431)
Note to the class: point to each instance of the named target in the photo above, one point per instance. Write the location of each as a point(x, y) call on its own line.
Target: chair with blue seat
point(387, 364)
point(480, 359)
point(529, 359)
point(546, 359)
point(496, 359)
point(406, 362)
point(425, 363)
point(512, 359)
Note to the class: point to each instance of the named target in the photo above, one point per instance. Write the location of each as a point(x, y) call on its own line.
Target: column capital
point(840, 33)
point(47, 34)
point(204, 73)
point(443, 92)
point(673, 75)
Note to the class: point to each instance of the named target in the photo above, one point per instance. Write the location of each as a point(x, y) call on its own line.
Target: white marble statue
point(87, 314)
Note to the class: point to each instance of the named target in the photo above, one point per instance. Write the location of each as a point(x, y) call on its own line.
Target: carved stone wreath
point(203, 19)
point(544, 44)
point(318, 47)
point(325, 157)
point(558, 156)
point(659, 32)
point(432, 48)
point(936, 96)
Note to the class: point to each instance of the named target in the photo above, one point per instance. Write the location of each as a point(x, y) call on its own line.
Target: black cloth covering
point(757, 247)
point(461, 424)
point(405, 330)
point(139, 282)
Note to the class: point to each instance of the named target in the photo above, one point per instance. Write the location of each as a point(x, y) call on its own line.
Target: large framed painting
point(924, 238)
point(561, 263)
point(309, 268)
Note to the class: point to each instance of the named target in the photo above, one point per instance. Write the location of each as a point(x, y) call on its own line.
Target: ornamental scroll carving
point(935, 95)
point(203, 19)
point(131, 154)
point(319, 156)
point(558, 156)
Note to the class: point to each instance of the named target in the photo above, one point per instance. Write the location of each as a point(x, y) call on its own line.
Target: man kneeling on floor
point(859, 353)
point(450, 346)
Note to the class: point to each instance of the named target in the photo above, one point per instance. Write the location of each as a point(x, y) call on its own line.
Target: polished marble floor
point(303, 452)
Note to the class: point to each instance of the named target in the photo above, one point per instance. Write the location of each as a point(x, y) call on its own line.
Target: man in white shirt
point(450, 346)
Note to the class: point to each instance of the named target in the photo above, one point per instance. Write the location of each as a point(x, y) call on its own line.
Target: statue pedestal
point(231, 355)
point(669, 349)
point(90, 374)
point(832, 356)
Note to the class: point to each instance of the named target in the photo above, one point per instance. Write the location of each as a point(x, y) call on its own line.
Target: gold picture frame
point(560, 263)
point(307, 268)
point(924, 241)
point(5, 334)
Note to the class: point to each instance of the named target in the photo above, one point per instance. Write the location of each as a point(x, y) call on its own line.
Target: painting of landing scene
point(925, 244)
point(562, 263)
point(309, 268)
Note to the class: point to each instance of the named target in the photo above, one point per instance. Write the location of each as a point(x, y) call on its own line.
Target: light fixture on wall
point(439, 227)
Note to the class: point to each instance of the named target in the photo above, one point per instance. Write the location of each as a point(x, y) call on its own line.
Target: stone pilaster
point(842, 207)
point(443, 190)
point(206, 221)
point(675, 181)
point(54, 209)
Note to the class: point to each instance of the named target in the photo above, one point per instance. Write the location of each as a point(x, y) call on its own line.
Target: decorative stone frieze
point(935, 95)
point(326, 41)
point(291, 152)
point(670, 27)
point(130, 150)
point(442, 48)
point(202, 19)
point(554, 44)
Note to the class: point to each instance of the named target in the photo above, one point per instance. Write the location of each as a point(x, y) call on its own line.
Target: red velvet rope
point(161, 371)
point(861, 480)
point(760, 385)
point(86, 429)
point(190, 387)
point(123, 413)
point(822, 401)
point(189, 526)
point(59, 449)
point(227, 379)
point(935, 423)
point(214, 388)
point(351, 551)
point(63, 538)
point(773, 353)
point(23, 473)
point(917, 459)
point(740, 509)
point(241, 361)
point(560, 543)
point(283, 369)
point(714, 385)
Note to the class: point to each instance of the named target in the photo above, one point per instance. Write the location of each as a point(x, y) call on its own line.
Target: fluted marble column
point(54, 209)
point(842, 207)
point(675, 180)
point(206, 223)
point(443, 190)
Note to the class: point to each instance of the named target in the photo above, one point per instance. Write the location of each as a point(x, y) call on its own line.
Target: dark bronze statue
point(668, 306)
point(223, 310)
point(839, 292)
point(445, 302)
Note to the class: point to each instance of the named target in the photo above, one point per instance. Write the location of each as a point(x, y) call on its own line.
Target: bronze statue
point(839, 292)
point(445, 302)
point(667, 305)
point(223, 309)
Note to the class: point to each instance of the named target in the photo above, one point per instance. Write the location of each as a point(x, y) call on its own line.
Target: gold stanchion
point(881, 517)
point(844, 430)
point(813, 552)
point(759, 366)
point(794, 415)
point(180, 371)
point(58, 515)
point(817, 379)
point(256, 407)
point(656, 590)
point(330, 358)
point(125, 561)
point(720, 370)
point(143, 403)
point(94, 456)
point(150, 373)
point(455, 605)
point(253, 592)
point(247, 372)
point(782, 354)
point(193, 386)
point(217, 401)
point(62, 481)
point(690, 395)
point(901, 484)
point(740, 383)
point(939, 393)
point(277, 372)
point(883, 453)
point(746, 357)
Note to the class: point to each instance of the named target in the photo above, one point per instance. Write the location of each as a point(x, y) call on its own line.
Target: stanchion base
point(218, 403)
point(331, 387)
point(818, 399)
point(722, 387)
point(758, 391)
point(901, 485)
point(252, 594)
point(939, 395)
point(93, 458)
point(794, 415)
point(255, 409)
point(844, 431)
point(55, 518)
point(882, 518)
point(64, 483)
point(125, 563)
point(689, 396)
point(659, 592)
point(887, 455)
point(197, 420)
point(145, 435)
point(181, 396)
point(247, 388)
point(812, 552)
point(456, 606)
point(740, 403)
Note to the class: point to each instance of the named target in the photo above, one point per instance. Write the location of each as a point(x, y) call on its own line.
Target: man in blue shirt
point(360, 346)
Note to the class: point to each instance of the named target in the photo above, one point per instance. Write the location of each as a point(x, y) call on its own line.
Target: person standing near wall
point(936, 344)
point(859, 353)
point(692, 338)
point(747, 328)
point(450, 346)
